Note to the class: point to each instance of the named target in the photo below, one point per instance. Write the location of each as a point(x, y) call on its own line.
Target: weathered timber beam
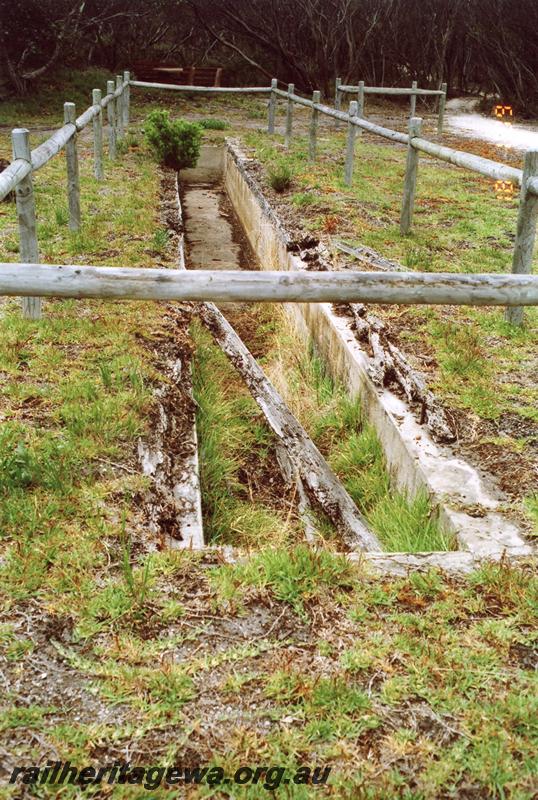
point(390, 90)
point(484, 166)
point(52, 146)
point(203, 89)
point(12, 175)
point(88, 115)
point(318, 478)
point(407, 288)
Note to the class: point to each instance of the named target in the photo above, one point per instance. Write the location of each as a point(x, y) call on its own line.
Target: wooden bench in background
point(186, 76)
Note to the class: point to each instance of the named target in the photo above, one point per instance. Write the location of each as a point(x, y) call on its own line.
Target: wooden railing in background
point(361, 90)
point(18, 175)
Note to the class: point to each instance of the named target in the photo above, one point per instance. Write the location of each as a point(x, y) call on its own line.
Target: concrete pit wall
point(466, 504)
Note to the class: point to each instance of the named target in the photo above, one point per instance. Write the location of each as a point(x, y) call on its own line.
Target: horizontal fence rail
point(116, 103)
point(391, 90)
point(46, 280)
point(413, 92)
point(484, 166)
point(19, 168)
point(203, 89)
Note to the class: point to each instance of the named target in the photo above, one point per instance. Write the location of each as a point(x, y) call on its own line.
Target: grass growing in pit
point(350, 445)
point(235, 442)
point(236, 455)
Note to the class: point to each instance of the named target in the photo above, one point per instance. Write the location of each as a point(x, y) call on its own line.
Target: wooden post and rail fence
point(361, 90)
point(30, 280)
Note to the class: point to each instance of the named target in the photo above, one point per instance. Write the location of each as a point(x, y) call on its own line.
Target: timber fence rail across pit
point(139, 283)
point(18, 175)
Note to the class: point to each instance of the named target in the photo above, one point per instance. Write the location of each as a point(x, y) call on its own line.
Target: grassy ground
point(414, 688)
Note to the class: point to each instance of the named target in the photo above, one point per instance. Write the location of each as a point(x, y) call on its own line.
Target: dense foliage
point(174, 142)
point(484, 46)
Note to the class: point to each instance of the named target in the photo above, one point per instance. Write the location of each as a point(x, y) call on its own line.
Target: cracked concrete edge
point(456, 563)
point(466, 506)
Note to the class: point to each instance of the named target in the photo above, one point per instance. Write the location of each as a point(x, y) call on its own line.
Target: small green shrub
point(213, 124)
point(175, 143)
point(280, 177)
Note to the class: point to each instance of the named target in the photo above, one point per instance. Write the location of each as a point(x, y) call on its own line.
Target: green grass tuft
point(213, 124)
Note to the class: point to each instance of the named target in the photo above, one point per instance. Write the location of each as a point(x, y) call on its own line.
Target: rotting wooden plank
point(370, 257)
point(388, 364)
point(175, 474)
point(292, 478)
point(169, 456)
point(317, 476)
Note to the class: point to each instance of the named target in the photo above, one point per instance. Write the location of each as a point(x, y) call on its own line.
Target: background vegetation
point(476, 45)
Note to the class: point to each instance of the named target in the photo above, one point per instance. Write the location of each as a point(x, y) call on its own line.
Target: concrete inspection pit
point(228, 222)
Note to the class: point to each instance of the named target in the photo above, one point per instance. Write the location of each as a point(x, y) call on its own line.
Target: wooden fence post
point(97, 137)
point(337, 98)
point(126, 100)
point(350, 149)
point(73, 182)
point(410, 183)
point(413, 101)
point(526, 230)
point(312, 144)
point(272, 107)
point(441, 108)
point(337, 94)
point(289, 115)
point(111, 116)
point(119, 108)
point(360, 104)
point(24, 193)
